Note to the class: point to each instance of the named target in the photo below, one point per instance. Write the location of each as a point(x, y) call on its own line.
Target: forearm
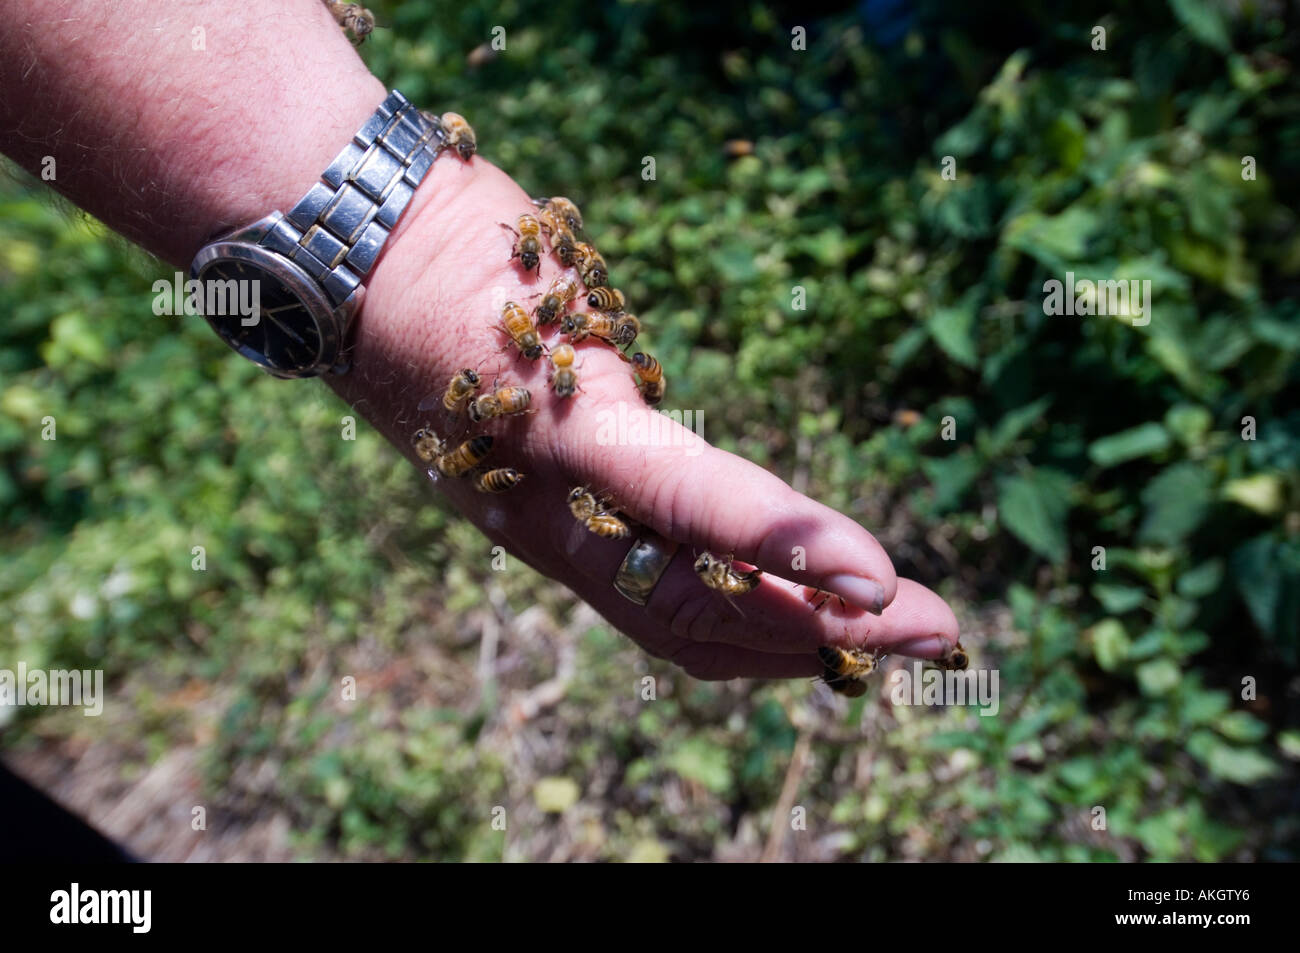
point(170, 145)
point(165, 143)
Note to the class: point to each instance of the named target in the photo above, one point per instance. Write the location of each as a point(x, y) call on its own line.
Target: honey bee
point(558, 211)
point(501, 403)
point(460, 389)
point(846, 670)
point(651, 373)
point(427, 445)
point(595, 514)
point(519, 326)
point(591, 265)
point(497, 481)
point(717, 574)
point(460, 135)
point(956, 661)
point(563, 290)
point(584, 324)
point(564, 379)
point(563, 244)
point(626, 328)
point(606, 299)
point(528, 242)
point(458, 462)
point(352, 17)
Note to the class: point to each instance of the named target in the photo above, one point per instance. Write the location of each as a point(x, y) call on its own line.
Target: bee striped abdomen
point(497, 481)
point(464, 458)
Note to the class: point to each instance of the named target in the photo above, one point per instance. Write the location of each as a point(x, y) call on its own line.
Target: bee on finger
point(459, 135)
point(461, 388)
point(562, 290)
point(591, 266)
point(497, 481)
point(352, 17)
point(463, 459)
point(427, 445)
point(594, 513)
point(519, 326)
point(584, 324)
point(564, 245)
point(956, 661)
point(609, 300)
point(719, 575)
point(500, 403)
point(558, 210)
point(626, 328)
point(564, 379)
point(651, 373)
point(846, 670)
point(528, 242)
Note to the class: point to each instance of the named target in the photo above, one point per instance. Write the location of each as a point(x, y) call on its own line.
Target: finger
point(714, 501)
point(917, 623)
point(703, 660)
point(782, 617)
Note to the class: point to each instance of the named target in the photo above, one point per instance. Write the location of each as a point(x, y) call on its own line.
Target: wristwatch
point(305, 268)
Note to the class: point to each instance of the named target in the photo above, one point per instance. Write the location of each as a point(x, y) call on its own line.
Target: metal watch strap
point(337, 229)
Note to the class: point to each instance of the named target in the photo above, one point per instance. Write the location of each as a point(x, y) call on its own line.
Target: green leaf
point(953, 330)
point(1176, 503)
point(1267, 574)
point(1265, 493)
point(1014, 422)
point(1201, 581)
point(1141, 441)
point(1033, 507)
point(1205, 21)
point(735, 262)
point(951, 477)
point(1119, 599)
point(1243, 727)
point(1158, 677)
point(1159, 834)
point(1229, 762)
point(1189, 423)
point(905, 346)
point(699, 760)
point(1110, 643)
point(1057, 241)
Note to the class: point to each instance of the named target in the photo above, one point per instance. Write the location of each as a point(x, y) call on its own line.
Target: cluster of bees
point(845, 671)
point(607, 322)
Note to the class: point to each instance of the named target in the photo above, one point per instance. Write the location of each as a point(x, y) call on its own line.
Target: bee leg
point(734, 606)
point(826, 597)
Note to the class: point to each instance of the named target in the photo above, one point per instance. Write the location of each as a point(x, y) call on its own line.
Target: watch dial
point(280, 331)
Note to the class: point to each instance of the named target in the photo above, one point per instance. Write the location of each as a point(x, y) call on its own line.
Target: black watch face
point(259, 315)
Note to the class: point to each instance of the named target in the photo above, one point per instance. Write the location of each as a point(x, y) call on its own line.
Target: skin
point(170, 147)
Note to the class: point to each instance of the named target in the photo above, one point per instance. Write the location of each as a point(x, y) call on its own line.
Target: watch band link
point(338, 228)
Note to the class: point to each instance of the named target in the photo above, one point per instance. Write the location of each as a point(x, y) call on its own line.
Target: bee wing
point(577, 536)
point(430, 402)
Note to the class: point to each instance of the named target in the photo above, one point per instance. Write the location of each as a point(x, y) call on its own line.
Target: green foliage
point(1121, 679)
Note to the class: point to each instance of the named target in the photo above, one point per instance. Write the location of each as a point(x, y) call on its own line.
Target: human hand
point(433, 307)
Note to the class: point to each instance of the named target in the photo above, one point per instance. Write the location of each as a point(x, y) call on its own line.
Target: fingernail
point(930, 646)
point(863, 593)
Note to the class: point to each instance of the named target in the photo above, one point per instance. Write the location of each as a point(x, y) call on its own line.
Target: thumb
point(667, 477)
